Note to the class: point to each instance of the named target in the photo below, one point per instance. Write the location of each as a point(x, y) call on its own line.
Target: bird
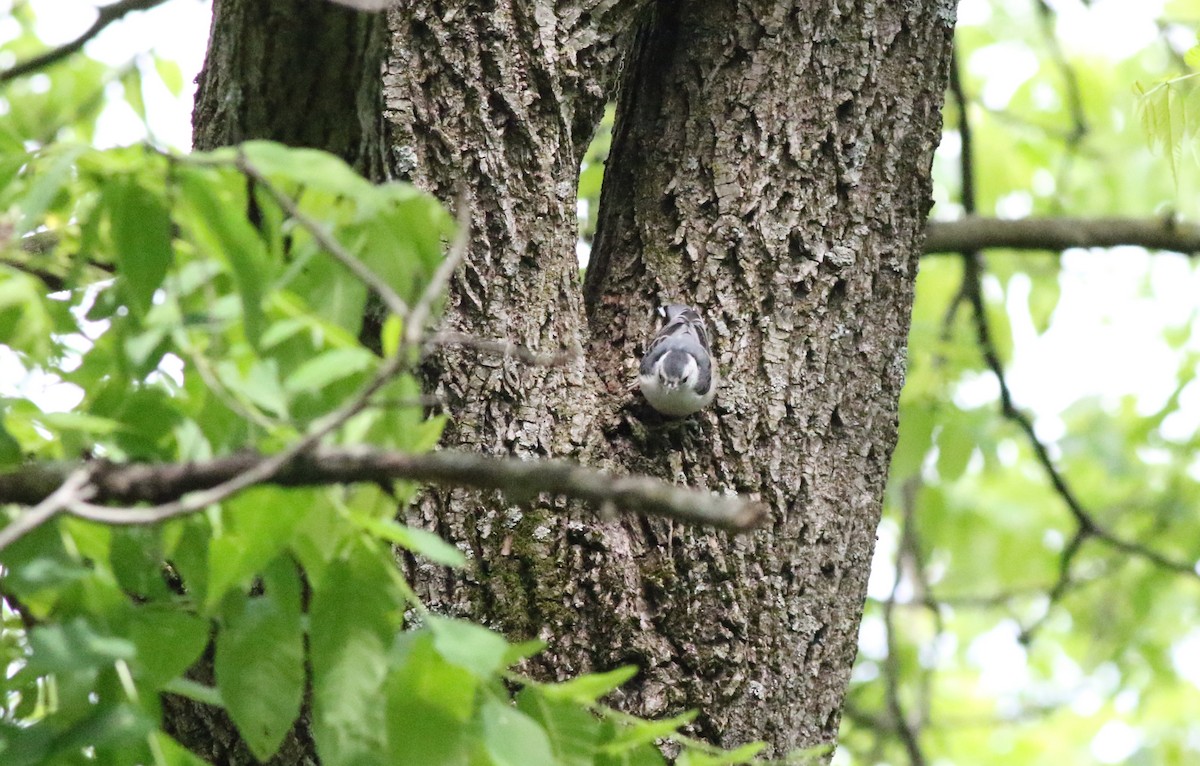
point(678, 375)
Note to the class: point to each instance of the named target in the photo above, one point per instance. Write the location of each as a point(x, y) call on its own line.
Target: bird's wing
point(689, 321)
point(684, 326)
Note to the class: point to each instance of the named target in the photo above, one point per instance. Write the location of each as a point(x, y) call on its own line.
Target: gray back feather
point(683, 330)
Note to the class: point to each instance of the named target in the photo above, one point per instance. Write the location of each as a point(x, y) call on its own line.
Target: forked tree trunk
point(770, 163)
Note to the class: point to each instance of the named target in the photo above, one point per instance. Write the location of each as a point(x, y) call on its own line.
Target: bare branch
point(107, 15)
point(1057, 234)
point(170, 486)
point(1086, 522)
point(1061, 585)
point(73, 487)
point(498, 347)
point(1079, 126)
point(264, 470)
point(908, 727)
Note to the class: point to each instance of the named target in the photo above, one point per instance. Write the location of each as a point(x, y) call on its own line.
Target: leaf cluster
point(986, 639)
point(163, 307)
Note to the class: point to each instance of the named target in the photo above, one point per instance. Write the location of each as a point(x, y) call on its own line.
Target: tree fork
point(779, 177)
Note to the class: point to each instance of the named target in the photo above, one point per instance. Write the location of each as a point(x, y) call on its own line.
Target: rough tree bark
point(771, 164)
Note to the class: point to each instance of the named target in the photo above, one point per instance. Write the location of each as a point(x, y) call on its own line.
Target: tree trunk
point(770, 164)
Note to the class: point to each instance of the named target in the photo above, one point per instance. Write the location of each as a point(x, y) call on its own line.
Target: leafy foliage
point(977, 646)
point(165, 307)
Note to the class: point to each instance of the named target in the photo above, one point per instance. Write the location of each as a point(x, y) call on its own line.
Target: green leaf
point(743, 754)
point(352, 619)
point(917, 422)
point(168, 640)
point(1192, 57)
point(573, 731)
point(131, 82)
point(79, 421)
point(403, 244)
point(170, 74)
point(171, 753)
point(390, 336)
point(418, 541)
point(29, 746)
point(73, 645)
point(192, 690)
point(424, 677)
point(259, 523)
point(310, 168)
point(141, 240)
point(642, 755)
point(523, 650)
point(326, 286)
point(47, 184)
point(587, 689)
point(430, 704)
point(512, 738)
point(260, 660)
point(956, 443)
point(427, 737)
point(25, 322)
point(469, 646)
point(216, 219)
point(644, 732)
point(136, 560)
point(115, 733)
point(328, 367)
point(259, 383)
point(10, 448)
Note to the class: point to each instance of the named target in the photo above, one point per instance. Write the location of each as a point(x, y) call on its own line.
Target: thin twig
point(265, 469)
point(107, 15)
point(1061, 585)
point(908, 731)
point(502, 348)
point(74, 487)
point(414, 324)
point(53, 282)
point(1079, 127)
point(326, 240)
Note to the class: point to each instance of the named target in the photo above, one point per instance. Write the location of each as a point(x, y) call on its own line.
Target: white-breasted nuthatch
point(678, 375)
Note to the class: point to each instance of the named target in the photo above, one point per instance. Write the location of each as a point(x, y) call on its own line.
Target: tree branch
point(908, 727)
point(1056, 234)
point(165, 483)
point(107, 15)
point(71, 487)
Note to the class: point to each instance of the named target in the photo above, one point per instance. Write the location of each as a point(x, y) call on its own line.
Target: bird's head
point(678, 369)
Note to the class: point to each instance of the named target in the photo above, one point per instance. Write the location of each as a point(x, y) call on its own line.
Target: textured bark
point(301, 72)
point(770, 163)
point(493, 105)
